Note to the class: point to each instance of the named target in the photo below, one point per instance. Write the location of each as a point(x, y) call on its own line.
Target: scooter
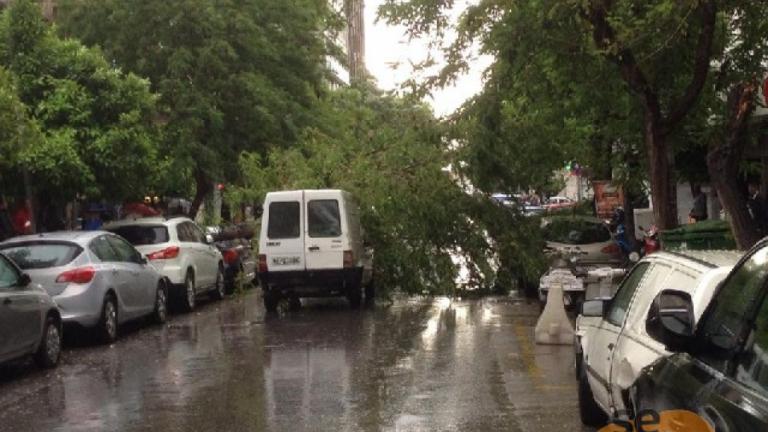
point(651, 241)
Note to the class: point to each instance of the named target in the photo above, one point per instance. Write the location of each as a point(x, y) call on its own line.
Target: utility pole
point(354, 11)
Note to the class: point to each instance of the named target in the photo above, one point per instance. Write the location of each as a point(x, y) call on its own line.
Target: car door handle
point(314, 248)
point(611, 346)
point(7, 301)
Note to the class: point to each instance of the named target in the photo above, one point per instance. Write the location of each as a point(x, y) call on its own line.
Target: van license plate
point(286, 260)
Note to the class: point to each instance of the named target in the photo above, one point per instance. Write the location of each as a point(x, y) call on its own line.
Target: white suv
point(181, 252)
point(612, 344)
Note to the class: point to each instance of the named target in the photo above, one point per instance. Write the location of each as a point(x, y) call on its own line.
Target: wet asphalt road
point(416, 365)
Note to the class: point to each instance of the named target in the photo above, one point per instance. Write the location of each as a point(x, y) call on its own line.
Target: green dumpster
point(705, 235)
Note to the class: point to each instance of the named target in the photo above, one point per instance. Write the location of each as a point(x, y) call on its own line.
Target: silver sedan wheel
point(53, 342)
point(161, 305)
point(110, 319)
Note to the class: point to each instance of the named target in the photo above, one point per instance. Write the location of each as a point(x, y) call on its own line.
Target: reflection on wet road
point(417, 365)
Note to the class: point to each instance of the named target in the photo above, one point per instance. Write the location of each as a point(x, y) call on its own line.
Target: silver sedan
point(97, 279)
point(29, 320)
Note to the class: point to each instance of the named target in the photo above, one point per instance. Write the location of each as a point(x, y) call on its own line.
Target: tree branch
point(707, 15)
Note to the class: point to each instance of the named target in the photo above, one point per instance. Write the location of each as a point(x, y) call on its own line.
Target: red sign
point(607, 198)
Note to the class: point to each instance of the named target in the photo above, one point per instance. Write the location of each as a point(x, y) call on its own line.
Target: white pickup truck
point(611, 343)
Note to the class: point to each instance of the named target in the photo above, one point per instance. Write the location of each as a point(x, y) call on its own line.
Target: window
point(197, 233)
point(125, 252)
point(617, 310)
point(139, 235)
point(323, 218)
point(725, 323)
point(103, 250)
point(41, 255)
point(9, 276)
point(184, 233)
point(284, 220)
point(752, 370)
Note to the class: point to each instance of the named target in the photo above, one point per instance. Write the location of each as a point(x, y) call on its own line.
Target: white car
point(611, 343)
point(181, 252)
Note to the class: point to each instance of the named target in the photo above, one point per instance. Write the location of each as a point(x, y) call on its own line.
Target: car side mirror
point(24, 280)
point(208, 239)
point(671, 319)
point(593, 308)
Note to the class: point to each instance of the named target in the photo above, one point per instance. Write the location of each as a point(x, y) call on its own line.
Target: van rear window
point(323, 218)
point(284, 220)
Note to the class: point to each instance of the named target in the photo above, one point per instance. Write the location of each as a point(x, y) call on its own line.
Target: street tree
point(232, 75)
point(90, 126)
point(650, 64)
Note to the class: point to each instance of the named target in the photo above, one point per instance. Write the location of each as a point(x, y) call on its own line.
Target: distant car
point(587, 239)
point(612, 345)
point(234, 244)
point(181, 252)
point(29, 319)
point(720, 367)
point(97, 279)
point(558, 202)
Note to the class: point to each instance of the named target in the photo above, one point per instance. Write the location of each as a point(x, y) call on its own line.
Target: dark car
point(234, 243)
point(720, 369)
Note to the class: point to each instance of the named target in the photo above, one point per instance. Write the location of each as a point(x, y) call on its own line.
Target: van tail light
point(80, 275)
point(611, 249)
point(167, 253)
point(263, 264)
point(230, 256)
point(349, 259)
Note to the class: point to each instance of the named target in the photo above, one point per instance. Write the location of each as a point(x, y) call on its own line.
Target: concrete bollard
point(554, 327)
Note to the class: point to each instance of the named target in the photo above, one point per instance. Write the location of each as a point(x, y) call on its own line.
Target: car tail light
point(611, 249)
point(263, 264)
point(349, 259)
point(80, 275)
point(167, 253)
point(230, 256)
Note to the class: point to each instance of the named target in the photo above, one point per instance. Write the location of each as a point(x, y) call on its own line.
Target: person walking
point(699, 211)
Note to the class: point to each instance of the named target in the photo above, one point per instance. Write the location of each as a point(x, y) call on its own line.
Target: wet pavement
point(415, 365)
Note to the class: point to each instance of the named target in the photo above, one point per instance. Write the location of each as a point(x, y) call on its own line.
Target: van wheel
point(354, 297)
point(47, 355)
point(218, 289)
point(108, 322)
point(589, 411)
point(270, 302)
point(370, 293)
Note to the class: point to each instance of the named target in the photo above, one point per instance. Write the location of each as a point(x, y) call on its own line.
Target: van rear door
point(284, 241)
point(325, 239)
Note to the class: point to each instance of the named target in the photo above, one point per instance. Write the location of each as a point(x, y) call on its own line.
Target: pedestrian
point(92, 220)
point(22, 218)
point(699, 211)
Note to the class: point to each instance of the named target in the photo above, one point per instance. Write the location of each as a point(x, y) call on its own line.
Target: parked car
point(558, 202)
point(181, 252)
point(612, 345)
point(587, 239)
point(720, 367)
point(29, 319)
point(97, 279)
point(234, 243)
point(311, 245)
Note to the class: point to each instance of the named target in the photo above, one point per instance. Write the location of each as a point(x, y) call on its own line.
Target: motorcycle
point(651, 241)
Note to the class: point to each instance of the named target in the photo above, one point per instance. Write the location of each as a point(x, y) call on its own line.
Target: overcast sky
point(387, 46)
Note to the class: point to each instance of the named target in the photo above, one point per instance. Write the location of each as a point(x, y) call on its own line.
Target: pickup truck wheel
point(589, 411)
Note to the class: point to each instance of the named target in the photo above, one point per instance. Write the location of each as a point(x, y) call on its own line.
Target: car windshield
point(576, 231)
point(139, 235)
point(41, 255)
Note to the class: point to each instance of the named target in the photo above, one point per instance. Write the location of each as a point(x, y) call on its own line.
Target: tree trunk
point(203, 187)
point(723, 162)
point(661, 163)
point(629, 218)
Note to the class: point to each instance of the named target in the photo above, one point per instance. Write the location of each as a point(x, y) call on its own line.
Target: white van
point(311, 245)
